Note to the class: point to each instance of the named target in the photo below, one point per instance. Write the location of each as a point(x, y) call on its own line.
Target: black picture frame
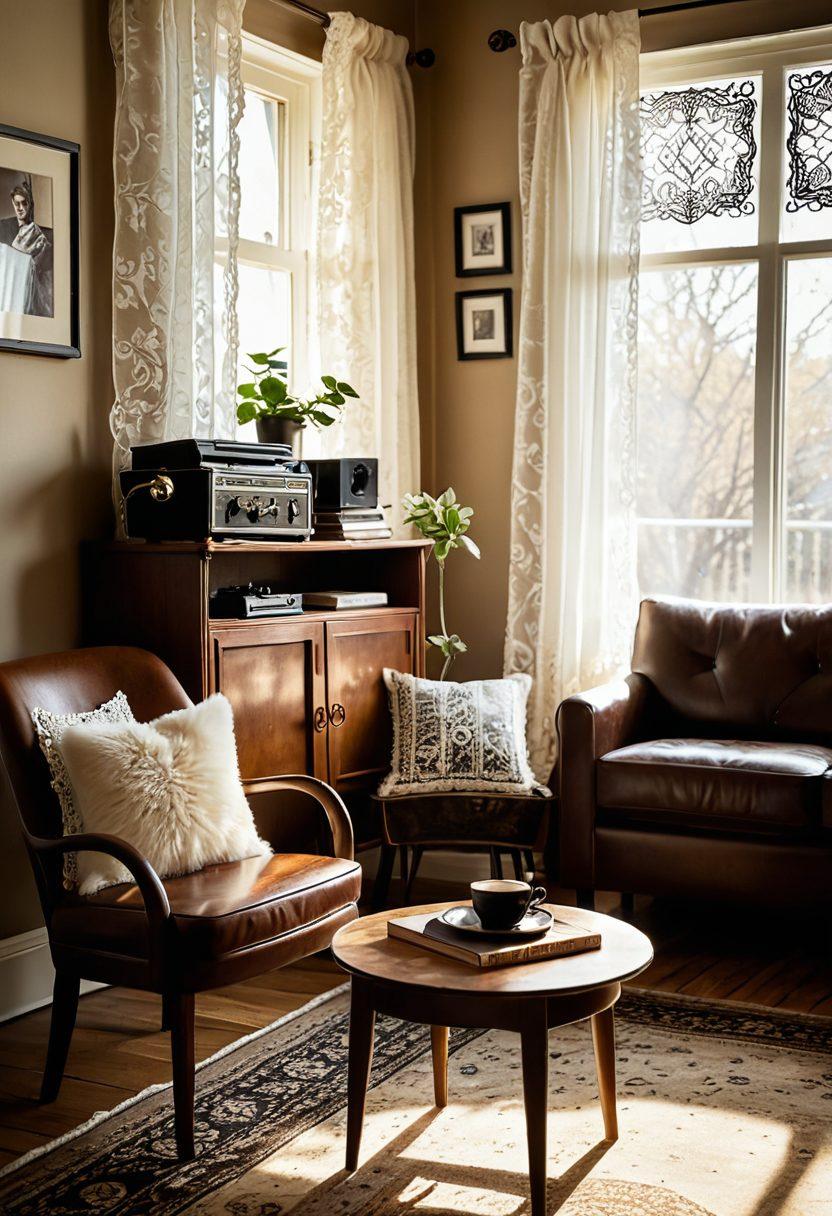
point(60, 350)
point(507, 350)
point(504, 267)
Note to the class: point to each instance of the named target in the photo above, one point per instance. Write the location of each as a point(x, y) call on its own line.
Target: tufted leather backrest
point(66, 683)
point(763, 670)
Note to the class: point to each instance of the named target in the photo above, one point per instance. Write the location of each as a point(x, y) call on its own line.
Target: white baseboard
point(26, 974)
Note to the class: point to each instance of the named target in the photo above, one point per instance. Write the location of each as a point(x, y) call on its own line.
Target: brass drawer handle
point(337, 715)
point(320, 719)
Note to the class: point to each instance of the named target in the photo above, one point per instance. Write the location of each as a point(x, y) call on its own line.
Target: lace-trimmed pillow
point(50, 728)
point(450, 736)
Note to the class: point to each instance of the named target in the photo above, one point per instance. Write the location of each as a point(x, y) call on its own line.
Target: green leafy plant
point(269, 394)
point(443, 521)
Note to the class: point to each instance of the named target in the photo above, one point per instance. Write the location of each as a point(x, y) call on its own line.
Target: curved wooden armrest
point(330, 802)
point(156, 904)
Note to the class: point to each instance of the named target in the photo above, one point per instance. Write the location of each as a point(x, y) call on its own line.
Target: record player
point(195, 489)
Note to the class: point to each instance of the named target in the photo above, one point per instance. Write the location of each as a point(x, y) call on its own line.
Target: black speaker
point(348, 481)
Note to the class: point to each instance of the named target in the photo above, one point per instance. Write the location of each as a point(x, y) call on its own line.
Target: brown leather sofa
point(708, 770)
point(175, 936)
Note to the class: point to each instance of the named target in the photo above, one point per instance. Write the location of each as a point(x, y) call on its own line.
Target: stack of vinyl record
point(351, 523)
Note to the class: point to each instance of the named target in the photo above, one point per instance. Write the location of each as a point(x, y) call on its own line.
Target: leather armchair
point(175, 936)
point(707, 771)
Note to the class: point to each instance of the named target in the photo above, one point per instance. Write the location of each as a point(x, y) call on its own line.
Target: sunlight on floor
point(425, 1195)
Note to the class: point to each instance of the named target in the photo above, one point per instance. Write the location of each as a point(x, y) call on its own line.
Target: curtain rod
point(423, 59)
point(504, 40)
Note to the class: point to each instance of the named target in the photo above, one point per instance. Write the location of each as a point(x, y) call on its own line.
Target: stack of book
point(351, 523)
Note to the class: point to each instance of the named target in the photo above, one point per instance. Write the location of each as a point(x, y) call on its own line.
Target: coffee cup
point(501, 903)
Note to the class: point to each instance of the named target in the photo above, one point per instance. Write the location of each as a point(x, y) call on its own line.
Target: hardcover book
point(431, 933)
point(344, 599)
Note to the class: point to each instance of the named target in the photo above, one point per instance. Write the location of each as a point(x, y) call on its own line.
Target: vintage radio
point(254, 600)
point(193, 489)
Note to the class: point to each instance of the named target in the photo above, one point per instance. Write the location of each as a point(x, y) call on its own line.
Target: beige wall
point(467, 153)
point(56, 77)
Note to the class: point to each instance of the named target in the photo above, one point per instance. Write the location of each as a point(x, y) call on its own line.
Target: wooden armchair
point(175, 936)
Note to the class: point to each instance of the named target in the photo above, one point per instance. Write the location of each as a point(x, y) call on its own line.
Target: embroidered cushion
point(171, 787)
point(450, 736)
point(50, 728)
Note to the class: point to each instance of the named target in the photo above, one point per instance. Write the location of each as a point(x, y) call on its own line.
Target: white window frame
point(770, 58)
point(296, 81)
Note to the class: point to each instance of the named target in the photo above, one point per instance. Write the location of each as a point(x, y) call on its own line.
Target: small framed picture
point(483, 324)
point(38, 244)
point(482, 239)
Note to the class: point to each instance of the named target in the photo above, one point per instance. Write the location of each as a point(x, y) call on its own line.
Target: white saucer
point(467, 921)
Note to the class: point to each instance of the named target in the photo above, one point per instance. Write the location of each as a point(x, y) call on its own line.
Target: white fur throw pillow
point(170, 787)
point(450, 736)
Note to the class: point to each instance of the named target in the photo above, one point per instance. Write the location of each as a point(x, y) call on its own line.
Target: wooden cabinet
point(307, 691)
point(273, 675)
point(357, 651)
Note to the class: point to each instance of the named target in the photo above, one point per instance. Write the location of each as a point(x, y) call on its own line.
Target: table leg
point(534, 1039)
point(439, 1051)
point(362, 1025)
point(603, 1038)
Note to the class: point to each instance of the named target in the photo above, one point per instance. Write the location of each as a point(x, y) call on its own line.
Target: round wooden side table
point(390, 976)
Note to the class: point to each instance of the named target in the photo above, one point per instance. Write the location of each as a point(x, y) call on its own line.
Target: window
point(277, 137)
point(735, 321)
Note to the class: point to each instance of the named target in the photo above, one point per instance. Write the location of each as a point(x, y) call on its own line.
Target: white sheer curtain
point(365, 277)
point(572, 581)
point(178, 101)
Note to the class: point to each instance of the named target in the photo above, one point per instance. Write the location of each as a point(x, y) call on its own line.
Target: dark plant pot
point(271, 428)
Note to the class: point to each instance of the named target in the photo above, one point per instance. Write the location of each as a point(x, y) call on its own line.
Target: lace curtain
point(365, 267)
point(179, 98)
point(572, 581)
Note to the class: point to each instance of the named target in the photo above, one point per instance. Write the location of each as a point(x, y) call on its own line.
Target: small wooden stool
point(495, 824)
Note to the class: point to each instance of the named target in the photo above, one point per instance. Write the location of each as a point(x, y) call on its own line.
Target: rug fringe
point(101, 1116)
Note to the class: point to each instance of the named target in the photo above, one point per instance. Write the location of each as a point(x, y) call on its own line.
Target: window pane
point(260, 169)
point(697, 329)
point(807, 214)
point(700, 178)
point(264, 310)
point(808, 438)
point(695, 560)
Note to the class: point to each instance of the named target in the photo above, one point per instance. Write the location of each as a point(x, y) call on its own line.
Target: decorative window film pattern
point(809, 141)
point(698, 152)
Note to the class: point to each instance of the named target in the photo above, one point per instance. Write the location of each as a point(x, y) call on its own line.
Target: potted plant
point(280, 417)
point(443, 521)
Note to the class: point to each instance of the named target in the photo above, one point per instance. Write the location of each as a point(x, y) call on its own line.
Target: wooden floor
point(762, 958)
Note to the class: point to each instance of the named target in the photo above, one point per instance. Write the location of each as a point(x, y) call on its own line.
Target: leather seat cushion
point(217, 911)
point(733, 784)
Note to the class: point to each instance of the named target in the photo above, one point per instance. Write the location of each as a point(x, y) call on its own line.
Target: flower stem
point(442, 624)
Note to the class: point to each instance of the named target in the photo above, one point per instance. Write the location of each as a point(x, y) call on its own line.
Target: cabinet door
point(357, 649)
point(273, 675)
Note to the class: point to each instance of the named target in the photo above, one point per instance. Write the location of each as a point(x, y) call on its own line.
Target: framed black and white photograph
point(483, 324)
point(482, 239)
point(38, 244)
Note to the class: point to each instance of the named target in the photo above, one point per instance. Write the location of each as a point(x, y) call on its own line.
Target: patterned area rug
point(723, 1111)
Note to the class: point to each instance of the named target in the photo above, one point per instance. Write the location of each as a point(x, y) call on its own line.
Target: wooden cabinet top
point(208, 547)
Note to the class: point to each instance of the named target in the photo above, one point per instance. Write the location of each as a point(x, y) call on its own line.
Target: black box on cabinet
point(348, 481)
